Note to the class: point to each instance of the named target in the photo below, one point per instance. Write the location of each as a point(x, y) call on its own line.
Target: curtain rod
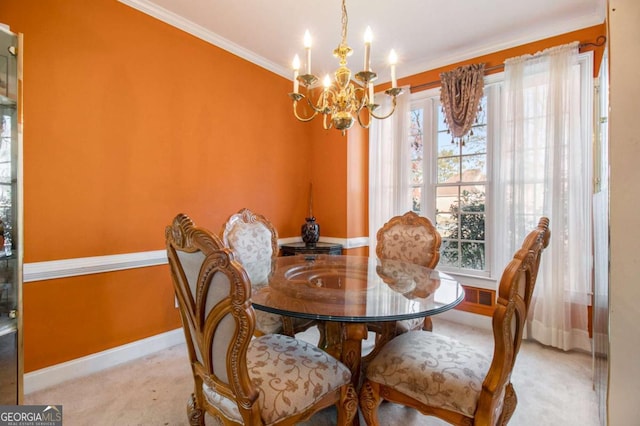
point(600, 40)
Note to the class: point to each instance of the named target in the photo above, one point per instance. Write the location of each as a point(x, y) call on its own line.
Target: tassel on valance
point(460, 93)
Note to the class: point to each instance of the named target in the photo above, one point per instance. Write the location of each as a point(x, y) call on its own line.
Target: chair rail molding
point(64, 268)
point(40, 271)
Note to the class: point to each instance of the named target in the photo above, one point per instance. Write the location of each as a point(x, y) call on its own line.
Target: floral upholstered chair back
point(411, 238)
point(254, 241)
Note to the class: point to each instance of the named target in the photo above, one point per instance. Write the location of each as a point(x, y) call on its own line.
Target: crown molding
point(553, 30)
point(202, 33)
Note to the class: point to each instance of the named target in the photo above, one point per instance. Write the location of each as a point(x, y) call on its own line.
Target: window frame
point(429, 100)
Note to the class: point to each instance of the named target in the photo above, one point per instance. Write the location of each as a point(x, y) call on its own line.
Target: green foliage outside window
point(467, 230)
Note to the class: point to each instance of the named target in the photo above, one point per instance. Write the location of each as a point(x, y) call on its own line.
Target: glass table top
point(355, 289)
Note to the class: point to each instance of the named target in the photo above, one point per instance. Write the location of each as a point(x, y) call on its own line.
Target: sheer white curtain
point(389, 193)
point(544, 169)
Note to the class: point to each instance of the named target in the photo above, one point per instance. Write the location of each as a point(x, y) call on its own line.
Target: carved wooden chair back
point(464, 387)
point(213, 294)
point(233, 371)
point(512, 307)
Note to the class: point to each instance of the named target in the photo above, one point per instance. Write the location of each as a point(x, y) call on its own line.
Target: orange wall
point(129, 121)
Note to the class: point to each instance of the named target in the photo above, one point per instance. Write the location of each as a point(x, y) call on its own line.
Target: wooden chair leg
point(369, 402)
point(194, 413)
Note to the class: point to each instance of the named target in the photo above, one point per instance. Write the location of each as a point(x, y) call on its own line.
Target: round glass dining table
point(345, 293)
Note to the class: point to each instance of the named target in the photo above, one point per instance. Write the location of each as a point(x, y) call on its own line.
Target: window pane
point(446, 198)
point(445, 147)
point(416, 196)
point(416, 172)
point(416, 149)
point(416, 134)
point(476, 143)
point(472, 198)
point(474, 168)
point(472, 256)
point(448, 169)
point(472, 226)
point(449, 253)
point(445, 222)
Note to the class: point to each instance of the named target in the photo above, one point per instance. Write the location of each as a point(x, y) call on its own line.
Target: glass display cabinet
point(11, 369)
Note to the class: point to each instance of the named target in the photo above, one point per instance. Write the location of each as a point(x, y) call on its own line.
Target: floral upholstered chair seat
point(290, 376)
point(436, 370)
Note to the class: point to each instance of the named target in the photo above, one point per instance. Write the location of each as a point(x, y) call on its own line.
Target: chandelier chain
point(345, 21)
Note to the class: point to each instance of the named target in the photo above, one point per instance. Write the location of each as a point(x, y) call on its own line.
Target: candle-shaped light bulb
point(393, 60)
point(296, 68)
point(307, 46)
point(368, 38)
point(326, 82)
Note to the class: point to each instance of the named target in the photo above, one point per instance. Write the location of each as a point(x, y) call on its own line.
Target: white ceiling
point(426, 34)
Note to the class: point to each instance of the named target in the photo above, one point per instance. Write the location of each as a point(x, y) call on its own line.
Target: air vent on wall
point(478, 301)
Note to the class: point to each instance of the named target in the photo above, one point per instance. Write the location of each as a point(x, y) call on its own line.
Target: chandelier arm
point(382, 117)
point(360, 101)
point(364, 126)
point(303, 119)
point(319, 107)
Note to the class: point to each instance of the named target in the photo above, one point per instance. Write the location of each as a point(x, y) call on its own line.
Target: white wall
point(624, 142)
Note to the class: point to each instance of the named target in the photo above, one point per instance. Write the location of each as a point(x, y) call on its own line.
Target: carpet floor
point(553, 388)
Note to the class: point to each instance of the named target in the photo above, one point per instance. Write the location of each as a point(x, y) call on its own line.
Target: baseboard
point(56, 374)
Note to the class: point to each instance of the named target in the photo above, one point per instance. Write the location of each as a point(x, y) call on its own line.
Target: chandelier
point(341, 102)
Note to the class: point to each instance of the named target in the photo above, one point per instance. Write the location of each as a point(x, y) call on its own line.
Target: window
point(451, 184)
point(455, 185)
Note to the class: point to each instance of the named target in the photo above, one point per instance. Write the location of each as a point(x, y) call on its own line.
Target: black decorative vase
point(310, 231)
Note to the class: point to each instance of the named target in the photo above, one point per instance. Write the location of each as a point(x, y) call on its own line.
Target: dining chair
point(238, 378)
point(411, 238)
point(443, 377)
point(254, 241)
